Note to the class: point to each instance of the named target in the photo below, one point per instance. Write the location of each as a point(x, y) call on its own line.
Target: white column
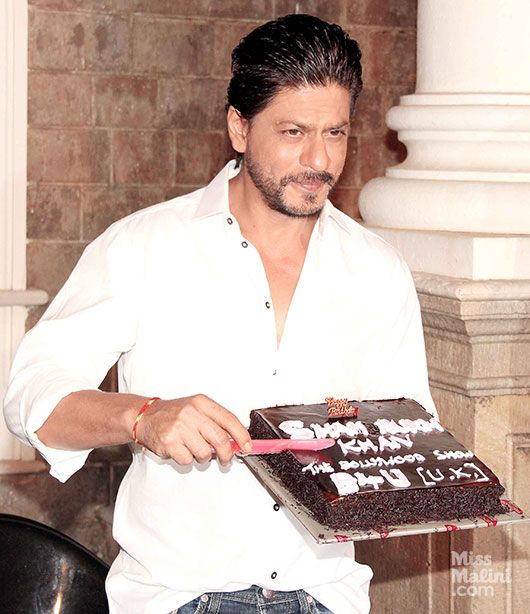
point(459, 205)
point(14, 298)
point(458, 209)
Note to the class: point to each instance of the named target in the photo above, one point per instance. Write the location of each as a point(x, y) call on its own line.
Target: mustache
point(309, 176)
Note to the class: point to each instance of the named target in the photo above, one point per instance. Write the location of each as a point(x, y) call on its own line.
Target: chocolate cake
point(392, 463)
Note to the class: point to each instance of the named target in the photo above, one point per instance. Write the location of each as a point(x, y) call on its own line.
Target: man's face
point(296, 147)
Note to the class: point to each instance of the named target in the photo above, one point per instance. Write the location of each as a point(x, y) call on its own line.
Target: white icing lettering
point(458, 474)
point(408, 426)
point(402, 441)
point(416, 457)
point(345, 483)
point(369, 480)
point(436, 425)
point(479, 475)
point(379, 461)
point(367, 445)
point(453, 454)
point(395, 477)
point(419, 471)
point(316, 468)
point(345, 465)
point(296, 430)
point(337, 429)
point(433, 477)
point(386, 426)
point(404, 426)
point(359, 427)
point(415, 426)
point(374, 461)
point(357, 446)
point(387, 442)
point(349, 447)
point(394, 443)
point(363, 446)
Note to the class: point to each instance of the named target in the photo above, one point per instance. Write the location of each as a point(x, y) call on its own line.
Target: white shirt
point(176, 293)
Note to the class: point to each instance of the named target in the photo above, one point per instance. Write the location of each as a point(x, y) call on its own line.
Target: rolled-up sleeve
point(89, 324)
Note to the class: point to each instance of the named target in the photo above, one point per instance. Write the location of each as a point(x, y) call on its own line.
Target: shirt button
point(230, 220)
point(273, 575)
point(276, 507)
point(267, 304)
point(244, 244)
point(204, 598)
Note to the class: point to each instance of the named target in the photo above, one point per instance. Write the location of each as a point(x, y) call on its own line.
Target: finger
point(200, 448)
point(229, 423)
point(181, 455)
point(219, 441)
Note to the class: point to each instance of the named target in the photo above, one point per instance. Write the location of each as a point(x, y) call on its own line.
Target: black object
point(42, 571)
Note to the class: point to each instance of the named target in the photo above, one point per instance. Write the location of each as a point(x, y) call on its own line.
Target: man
point(251, 292)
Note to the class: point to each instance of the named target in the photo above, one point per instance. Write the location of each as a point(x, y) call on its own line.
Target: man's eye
point(292, 132)
point(337, 133)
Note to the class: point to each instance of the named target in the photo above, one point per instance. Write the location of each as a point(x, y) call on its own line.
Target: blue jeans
point(254, 600)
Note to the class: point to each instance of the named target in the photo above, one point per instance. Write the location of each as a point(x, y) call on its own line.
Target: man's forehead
point(299, 104)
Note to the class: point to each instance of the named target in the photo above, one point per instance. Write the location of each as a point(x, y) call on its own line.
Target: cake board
point(326, 535)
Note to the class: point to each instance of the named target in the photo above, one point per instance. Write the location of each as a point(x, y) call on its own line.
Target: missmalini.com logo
point(472, 575)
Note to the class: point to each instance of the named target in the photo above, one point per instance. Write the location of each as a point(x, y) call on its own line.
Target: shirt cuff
point(63, 463)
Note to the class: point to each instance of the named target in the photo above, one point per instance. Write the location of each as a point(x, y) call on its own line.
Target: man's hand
point(183, 429)
point(187, 429)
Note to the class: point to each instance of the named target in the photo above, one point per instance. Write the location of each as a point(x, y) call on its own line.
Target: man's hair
point(290, 52)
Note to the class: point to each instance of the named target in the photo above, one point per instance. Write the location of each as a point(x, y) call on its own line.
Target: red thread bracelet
point(140, 415)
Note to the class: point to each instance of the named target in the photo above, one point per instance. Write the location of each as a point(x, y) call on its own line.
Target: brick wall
point(126, 102)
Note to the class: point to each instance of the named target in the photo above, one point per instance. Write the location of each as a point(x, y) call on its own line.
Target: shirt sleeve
point(89, 324)
point(399, 364)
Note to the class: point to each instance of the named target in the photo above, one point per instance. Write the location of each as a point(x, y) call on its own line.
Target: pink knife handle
point(262, 447)
point(235, 447)
point(271, 446)
point(265, 446)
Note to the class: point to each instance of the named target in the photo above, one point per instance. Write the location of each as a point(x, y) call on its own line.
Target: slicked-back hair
point(290, 52)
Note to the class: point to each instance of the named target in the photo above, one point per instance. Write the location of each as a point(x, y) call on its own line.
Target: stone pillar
point(458, 208)
point(478, 351)
point(459, 205)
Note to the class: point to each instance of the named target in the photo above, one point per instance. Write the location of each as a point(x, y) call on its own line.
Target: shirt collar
point(214, 200)
point(330, 212)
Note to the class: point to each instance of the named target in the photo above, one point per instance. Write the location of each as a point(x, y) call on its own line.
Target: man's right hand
point(186, 429)
point(191, 428)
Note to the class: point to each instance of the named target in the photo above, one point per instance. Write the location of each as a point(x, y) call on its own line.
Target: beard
point(273, 191)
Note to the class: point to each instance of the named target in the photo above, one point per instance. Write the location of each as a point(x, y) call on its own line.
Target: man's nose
point(315, 154)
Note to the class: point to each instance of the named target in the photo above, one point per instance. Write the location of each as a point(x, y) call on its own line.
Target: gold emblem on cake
point(340, 408)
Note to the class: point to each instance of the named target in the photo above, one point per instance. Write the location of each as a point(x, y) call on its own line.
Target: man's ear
point(237, 129)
